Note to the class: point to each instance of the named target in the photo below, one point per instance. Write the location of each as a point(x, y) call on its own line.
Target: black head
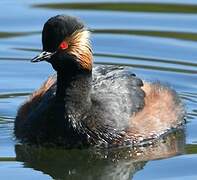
point(65, 38)
point(56, 29)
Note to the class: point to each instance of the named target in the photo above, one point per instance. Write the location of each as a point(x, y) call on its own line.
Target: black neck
point(70, 75)
point(74, 89)
point(62, 84)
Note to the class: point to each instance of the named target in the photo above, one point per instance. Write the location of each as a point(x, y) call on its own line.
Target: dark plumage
point(54, 31)
point(107, 106)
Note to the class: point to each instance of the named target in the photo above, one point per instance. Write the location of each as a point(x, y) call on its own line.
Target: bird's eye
point(63, 45)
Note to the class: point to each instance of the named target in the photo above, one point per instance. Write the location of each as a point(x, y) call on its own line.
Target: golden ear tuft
point(79, 45)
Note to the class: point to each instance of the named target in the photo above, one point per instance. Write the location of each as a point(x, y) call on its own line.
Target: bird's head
point(66, 44)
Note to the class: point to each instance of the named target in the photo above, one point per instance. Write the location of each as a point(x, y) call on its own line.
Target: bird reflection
point(102, 164)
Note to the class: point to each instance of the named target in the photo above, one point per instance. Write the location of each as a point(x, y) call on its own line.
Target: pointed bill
point(43, 56)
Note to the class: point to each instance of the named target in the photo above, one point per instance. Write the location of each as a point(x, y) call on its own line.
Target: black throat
point(62, 84)
point(72, 79)
point(73, 93)
point(73, 87)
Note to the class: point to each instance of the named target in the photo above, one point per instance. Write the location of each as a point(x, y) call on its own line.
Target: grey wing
point(118, 94)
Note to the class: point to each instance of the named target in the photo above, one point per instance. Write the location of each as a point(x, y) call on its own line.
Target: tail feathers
point(163, 110)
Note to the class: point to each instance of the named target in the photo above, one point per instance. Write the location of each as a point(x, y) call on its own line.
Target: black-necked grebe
point(80, 106)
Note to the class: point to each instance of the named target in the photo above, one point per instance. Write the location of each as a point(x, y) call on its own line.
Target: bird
point(87, 105)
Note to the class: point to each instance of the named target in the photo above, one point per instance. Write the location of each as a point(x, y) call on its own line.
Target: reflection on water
point(133, 7)
point(178, 35)
point(15, 34)
point(156, 38)
point(98, 164)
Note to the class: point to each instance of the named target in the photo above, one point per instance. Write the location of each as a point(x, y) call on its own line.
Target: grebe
point(83, 106)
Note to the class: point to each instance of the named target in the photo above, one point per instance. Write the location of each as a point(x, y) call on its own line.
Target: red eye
point(63, 45)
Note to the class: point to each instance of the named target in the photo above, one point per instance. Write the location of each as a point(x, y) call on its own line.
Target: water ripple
point(130, 7)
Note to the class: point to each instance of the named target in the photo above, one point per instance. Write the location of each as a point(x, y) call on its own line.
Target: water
point(156, 38)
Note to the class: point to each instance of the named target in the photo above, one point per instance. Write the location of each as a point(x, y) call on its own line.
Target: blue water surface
point(156, 38)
